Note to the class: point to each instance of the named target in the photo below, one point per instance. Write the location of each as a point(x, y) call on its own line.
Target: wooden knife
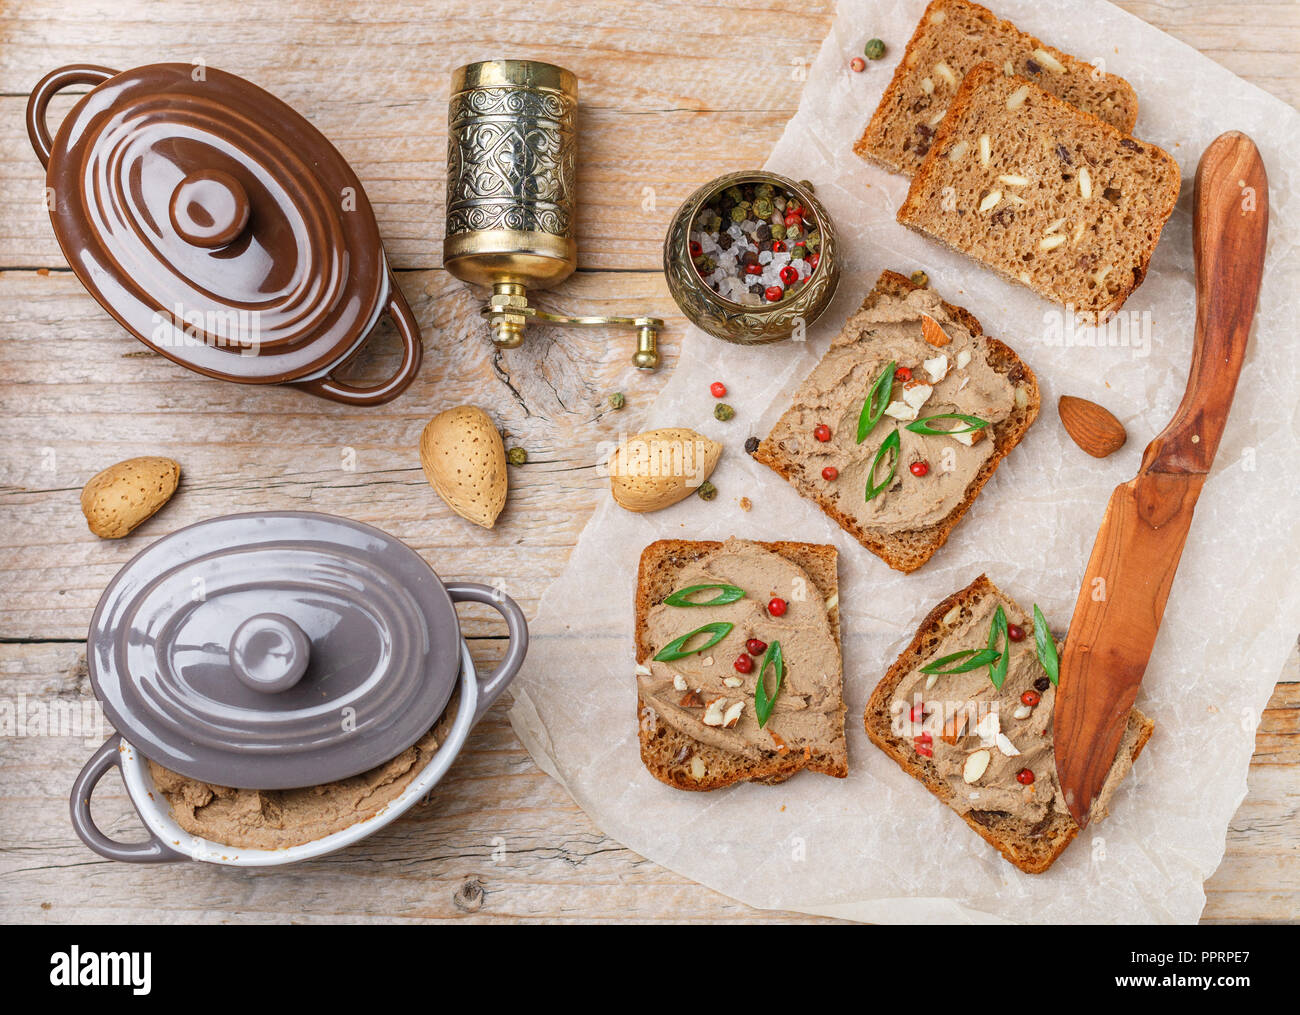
point(1136, 554)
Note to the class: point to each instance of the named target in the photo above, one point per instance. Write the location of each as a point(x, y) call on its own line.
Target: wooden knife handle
point(1230, 231)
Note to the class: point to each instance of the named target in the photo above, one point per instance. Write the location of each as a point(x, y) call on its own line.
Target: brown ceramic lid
point(215, 223)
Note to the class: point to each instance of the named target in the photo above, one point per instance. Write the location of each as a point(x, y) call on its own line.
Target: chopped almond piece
point(934, 334)
point(955, 727)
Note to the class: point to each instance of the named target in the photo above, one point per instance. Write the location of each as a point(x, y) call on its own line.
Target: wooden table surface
point(674, 92)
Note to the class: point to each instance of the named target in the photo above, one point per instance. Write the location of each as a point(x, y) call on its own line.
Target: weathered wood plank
point(78, 397)
point(1255, 40)
point(667, 99)
point(399, 154)
point(648, 97)
point(495, 821)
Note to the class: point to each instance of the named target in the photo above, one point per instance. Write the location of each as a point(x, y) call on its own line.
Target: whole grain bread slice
point(667, 752)
point(1031, 848)
point(1046, 195)
point(953, 37)
point(907, 550)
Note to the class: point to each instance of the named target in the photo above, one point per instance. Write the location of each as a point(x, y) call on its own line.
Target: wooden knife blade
point(1133, 562)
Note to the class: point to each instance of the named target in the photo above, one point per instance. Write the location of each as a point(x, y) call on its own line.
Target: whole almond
point(1094, 429)
point(124, 495)
point(660, 467)
point(464, 461)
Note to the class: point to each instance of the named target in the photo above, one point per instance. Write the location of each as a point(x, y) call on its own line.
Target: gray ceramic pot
point(272, 651)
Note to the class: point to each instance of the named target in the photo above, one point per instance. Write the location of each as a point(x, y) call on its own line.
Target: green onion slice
point(998, 629)
point(877, 398)
point(1046, 647)
point(726, 594)
point(676, 649)
point(922, 426)
point(892, 443)
point(763, 703)
point(971, 660)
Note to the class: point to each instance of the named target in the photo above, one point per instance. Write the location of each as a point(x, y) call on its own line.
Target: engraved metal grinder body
point(511, 195)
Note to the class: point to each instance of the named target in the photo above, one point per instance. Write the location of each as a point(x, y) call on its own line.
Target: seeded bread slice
point(666, 751)
point(951, 39)
point(1043, 194)
point(1032, 848)
point(907, 550)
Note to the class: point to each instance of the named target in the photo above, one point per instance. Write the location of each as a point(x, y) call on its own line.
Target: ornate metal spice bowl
point(734, 322)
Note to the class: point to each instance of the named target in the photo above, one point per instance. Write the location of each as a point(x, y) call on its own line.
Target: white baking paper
point(876, 846)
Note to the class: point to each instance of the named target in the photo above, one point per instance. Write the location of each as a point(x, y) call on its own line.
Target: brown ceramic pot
point(219, 227)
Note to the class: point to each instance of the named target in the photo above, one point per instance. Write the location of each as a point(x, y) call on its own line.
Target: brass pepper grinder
point(511, 180)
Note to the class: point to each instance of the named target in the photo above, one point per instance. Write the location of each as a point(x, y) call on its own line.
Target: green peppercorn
point(617, 401)
point(920, 278)
point(723, 411)
point(814, 239)
point(874, 49)
point(778, 230)
point(763, 208)
point(707, 491)
point(798, 252)
point(735, 194)
point(738, 214)
point(807, 185)
point(764, 190)
point(516, 456)
point(792, 231)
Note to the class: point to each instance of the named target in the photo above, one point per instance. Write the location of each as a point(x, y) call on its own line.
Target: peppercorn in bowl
point(750, 257)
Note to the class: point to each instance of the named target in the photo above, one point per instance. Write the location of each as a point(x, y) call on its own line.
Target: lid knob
point(269, 653)
point(209, 208)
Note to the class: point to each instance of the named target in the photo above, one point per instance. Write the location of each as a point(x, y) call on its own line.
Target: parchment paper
point(876, 846)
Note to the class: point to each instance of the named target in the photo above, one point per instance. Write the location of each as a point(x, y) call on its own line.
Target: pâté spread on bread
point(889, 349)
point(745, 662)
point(967, 709)
point(992, 745)
point(901, 421)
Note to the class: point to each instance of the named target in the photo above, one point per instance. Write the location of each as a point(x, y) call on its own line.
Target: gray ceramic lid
point(274, 650)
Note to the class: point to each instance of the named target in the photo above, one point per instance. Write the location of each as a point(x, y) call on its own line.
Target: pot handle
point(384, 391)
point(517, 626)
point(74, 74)
point(153, 850)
